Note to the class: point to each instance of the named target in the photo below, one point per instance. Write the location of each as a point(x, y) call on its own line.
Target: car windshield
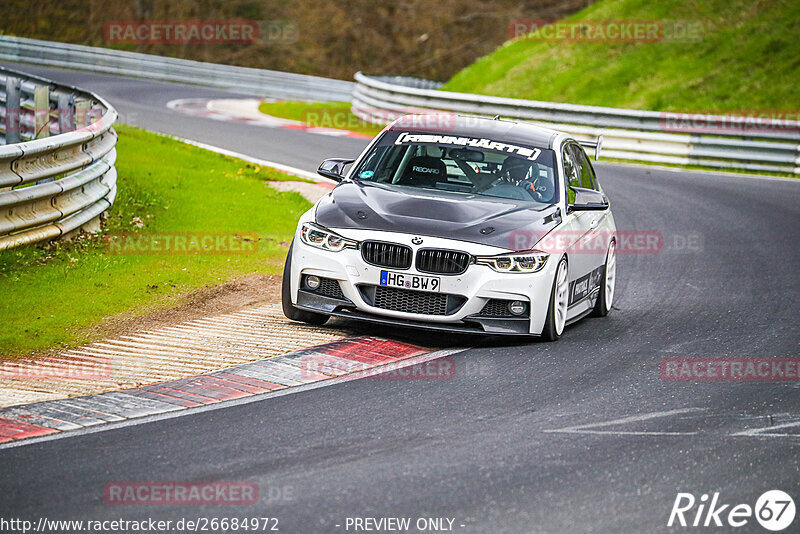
point(468, 165)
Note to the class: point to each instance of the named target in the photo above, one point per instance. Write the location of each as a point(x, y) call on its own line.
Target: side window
point(571, 173)
point(585, 168)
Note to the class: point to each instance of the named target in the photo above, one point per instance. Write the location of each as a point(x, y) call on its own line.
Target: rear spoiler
point(596, 145)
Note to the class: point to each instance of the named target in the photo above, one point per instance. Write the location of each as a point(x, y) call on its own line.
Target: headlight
point(319, 237)
point(528, 262)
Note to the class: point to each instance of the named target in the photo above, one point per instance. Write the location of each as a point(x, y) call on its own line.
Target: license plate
point(410, 281)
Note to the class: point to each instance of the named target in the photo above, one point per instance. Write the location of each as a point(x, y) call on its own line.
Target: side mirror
point(333, 168)
point(588, 200)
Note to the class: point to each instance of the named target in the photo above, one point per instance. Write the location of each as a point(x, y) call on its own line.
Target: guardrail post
point(66, 113)
point(41, 111)
point(82, 113)
point(41, 118)
point(13, 105)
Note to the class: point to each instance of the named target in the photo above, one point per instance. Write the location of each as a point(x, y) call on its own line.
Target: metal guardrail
point(258, 82)
point(627, 134)
point(51, 185)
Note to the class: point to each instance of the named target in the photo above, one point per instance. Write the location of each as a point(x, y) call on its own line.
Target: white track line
point(588, 429)
point(768, 432)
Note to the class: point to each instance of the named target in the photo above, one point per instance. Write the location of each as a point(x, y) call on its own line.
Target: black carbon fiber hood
point(478, 219)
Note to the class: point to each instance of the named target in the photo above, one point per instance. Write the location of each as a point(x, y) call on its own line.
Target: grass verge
point(744, 61)
point(58, 295)
point(323, 114)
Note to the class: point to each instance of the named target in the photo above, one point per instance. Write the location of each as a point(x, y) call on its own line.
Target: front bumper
point(471, 325)
point(477, 286)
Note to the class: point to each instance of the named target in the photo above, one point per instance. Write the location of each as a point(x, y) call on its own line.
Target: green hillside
point(748, 58)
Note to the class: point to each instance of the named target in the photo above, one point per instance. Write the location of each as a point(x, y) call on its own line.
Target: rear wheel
point(559, 299)
point(606, 297)
point(286, 298)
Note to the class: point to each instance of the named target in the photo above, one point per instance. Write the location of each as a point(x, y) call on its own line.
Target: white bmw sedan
point(458, 224)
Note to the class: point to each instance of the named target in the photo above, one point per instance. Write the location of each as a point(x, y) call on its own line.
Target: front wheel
point(286, 298)
point(606, 297)
point(559, 299)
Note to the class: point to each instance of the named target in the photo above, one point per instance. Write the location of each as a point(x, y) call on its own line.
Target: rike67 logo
point(774, 510)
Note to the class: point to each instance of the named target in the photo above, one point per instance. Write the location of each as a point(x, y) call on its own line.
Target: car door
point(594, 244)
point(586, 247)
point(576, 228)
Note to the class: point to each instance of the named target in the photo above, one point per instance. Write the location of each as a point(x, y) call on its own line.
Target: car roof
point(471, 126)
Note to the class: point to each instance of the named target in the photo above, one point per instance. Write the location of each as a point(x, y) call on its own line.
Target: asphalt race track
point(581, 435)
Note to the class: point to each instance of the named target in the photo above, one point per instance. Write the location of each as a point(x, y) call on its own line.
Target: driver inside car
point(528, 176)
point(517, 178)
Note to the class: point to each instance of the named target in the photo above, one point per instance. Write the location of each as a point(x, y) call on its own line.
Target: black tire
point(549, 332)
point(601, 307)
point(286, 298)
